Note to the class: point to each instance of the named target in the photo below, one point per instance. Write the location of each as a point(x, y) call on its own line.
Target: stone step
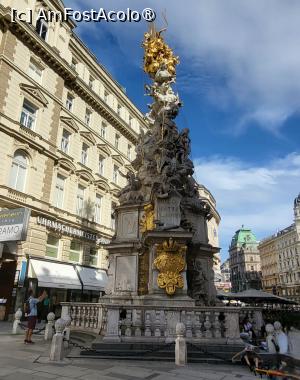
point(162, 352)
point(204, 359)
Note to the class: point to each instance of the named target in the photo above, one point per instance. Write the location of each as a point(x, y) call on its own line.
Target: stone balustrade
point(145, 323)
point(84, 316)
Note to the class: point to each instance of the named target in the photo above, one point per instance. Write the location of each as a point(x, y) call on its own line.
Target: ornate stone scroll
point(170, 262)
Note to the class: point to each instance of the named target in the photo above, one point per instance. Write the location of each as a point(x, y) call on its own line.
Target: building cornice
point(280, 234)
point(28, 137)
point(110, 83)
point(39, 207)
point(67, 114)
point(28, 35)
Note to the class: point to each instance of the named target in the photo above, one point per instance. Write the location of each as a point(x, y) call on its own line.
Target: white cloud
point(250, 49)
point(260, 197)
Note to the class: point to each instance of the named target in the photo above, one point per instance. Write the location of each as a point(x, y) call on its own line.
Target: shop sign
point(14, 224)
point(72, 231)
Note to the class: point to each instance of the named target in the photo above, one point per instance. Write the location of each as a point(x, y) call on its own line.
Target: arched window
point(18, 171)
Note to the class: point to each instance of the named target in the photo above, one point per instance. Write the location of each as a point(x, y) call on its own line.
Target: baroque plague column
point(160, 254)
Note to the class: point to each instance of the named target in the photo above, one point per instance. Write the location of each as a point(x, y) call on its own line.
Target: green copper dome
point(243, 236)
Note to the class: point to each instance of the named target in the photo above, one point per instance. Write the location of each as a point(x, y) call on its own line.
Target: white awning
point(92, 278)
point(54, 275)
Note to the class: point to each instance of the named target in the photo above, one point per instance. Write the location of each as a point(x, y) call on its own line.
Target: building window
point(75, 251)
point(69, 102)
point(105, 97)
point(117, 140)
point(74, 64)
point(129, 150)
point(98, 203)
point(28, 115)
point(42, 28)
point(84, 154)
point(35, 72)
point(59, 191)
point(130, 120)
point(80, 200)
point(87, 118)
point(103, 130)
point(115, 174)
point(18, 171)
point(65, 141)
point(52, 246)
point(119, 109)
point(113, 219)
point(101, 165)
point(91, 82)
point(93, 257)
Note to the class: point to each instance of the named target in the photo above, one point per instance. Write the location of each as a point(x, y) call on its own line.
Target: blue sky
point(239, 80)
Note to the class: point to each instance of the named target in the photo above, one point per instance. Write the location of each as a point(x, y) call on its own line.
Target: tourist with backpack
point(30, 309)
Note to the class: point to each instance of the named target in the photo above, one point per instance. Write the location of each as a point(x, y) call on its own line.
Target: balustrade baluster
point(147, 324)
point(128, 323)
point(188, 325)
point(217, 326)
point(84, 317)
point(198, 333)
point(78, 309)
point(207, 325)
point(73, 316)
point(157, 331)
point(96, 317)
point(138, 323)
point(165, 324)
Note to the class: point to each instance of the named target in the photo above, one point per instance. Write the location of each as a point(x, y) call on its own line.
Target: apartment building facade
point(212, 229)
point(244, 259)
point(280, 259)
point(67, 138)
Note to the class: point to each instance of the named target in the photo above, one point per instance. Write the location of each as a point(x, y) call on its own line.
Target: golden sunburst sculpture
point(170, 262)
point(158, 53)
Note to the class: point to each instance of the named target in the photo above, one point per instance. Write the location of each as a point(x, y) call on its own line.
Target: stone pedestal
point(57, 344)
point(180, 346)
point(49, 327)
point(232, 328)
point(112, 328)
point(16, 325)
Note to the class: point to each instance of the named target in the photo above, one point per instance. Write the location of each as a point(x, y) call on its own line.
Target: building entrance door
point(7, 277)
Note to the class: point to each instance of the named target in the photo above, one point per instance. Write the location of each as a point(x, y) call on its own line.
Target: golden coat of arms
point(170, 262)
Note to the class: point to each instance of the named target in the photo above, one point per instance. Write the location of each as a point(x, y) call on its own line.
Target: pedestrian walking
point(31, 313)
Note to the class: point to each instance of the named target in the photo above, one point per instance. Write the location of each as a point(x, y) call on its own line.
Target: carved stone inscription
point(128, 224)
point(168, 211)
point(126, 269)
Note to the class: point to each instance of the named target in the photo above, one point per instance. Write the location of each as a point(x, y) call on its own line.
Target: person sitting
point(248, 329)
point(280, 338)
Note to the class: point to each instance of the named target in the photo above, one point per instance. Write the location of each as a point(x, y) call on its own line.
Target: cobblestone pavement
point(26, 362)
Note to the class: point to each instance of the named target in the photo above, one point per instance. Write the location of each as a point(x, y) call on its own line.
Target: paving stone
point(96, 376)
point(24, 362)
point(22, 376)
point(7, 371)
point(169, 377)
point(46, 375)
point(128, 370)
point(26, 370)
point(120, 376)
